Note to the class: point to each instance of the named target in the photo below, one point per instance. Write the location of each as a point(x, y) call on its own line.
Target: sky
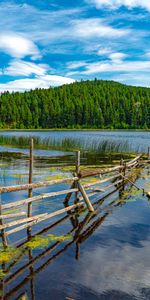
point(49, 43)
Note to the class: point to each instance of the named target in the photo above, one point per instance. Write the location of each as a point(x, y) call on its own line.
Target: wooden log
point(7, 189)
point(85, 197)
point(40, 219)
point(36, 198)
point(9, 216)
point(13, 223)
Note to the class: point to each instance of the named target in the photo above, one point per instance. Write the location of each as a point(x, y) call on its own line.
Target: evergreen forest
point(86, 104)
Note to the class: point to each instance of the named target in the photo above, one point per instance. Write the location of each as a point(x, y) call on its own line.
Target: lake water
point(104, 256)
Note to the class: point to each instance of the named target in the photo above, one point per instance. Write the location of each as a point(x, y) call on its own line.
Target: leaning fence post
point(30, 177)
point(85, 197)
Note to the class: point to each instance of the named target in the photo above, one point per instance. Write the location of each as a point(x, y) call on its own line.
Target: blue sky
point(47, 43)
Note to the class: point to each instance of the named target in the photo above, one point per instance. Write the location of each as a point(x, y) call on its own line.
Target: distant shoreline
point(66, 129)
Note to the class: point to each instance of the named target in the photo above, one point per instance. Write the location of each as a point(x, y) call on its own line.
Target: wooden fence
point(116, 177)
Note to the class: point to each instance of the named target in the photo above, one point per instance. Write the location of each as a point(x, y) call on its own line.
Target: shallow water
point(106, 257)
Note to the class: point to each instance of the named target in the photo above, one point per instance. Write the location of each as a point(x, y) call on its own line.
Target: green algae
point(2, 274)
point(11, 211)
point(54, 177)
point(60, 238)
point(8, 254)
point(40, 242)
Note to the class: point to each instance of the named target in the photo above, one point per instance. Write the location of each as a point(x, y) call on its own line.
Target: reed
point(67, 144)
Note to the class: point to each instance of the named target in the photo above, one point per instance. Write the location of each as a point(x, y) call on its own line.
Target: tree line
point(85, 104)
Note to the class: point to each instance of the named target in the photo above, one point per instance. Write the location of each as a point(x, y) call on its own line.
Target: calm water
point(106, 256)
point(137, 140)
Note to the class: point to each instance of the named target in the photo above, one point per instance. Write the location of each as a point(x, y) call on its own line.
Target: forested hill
point(85, 104)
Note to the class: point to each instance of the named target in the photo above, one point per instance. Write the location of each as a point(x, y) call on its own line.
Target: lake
point(105, 256)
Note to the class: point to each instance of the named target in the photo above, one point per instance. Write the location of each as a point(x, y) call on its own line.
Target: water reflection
point(106, 258)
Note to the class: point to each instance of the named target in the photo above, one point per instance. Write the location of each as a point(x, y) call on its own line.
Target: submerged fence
point(115, 177)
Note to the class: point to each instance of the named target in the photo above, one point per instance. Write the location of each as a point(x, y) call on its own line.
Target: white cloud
point(94, 27)
point(76, 64)
point(115, 4)
point(18, 46)
point(117, 57)
point(104, 51)
point(24, 68)
point(39, 82)
point(111, 66)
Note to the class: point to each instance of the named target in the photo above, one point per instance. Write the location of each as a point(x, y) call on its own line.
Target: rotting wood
point(58, 212)
point(7, 189)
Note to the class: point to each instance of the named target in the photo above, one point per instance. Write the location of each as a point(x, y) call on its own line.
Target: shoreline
point(66, 129)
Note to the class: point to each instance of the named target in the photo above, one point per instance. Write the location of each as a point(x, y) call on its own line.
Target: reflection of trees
point(83, 226)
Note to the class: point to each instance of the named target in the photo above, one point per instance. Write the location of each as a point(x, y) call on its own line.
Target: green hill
point(85, 104)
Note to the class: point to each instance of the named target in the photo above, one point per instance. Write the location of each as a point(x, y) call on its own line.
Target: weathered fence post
point(77, 162)
point(30, 179)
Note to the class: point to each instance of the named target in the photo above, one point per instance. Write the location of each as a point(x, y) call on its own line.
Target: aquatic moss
point(60, 238)
point(11, 211)
point(54, 177)
point(90, 180)
point(8, 254)
point(38, 242)
point(2, 274)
